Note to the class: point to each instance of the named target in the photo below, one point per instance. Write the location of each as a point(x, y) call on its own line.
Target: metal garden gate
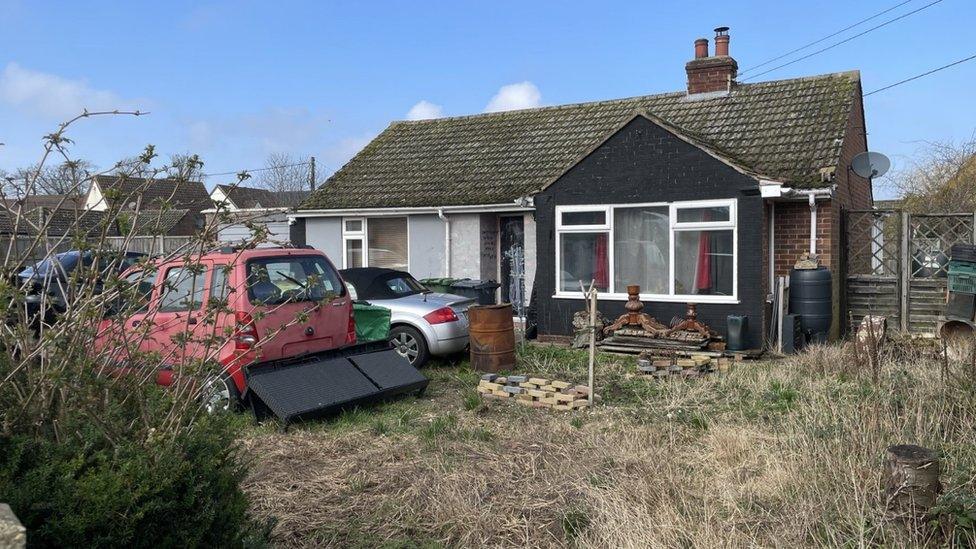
point(896, 263)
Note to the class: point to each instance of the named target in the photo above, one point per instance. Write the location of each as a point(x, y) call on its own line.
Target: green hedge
point(177, 493)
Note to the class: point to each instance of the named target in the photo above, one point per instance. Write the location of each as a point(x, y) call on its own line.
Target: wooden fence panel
point(896, 265)
point(926, 303)
point(873, 295)
point(26, 252)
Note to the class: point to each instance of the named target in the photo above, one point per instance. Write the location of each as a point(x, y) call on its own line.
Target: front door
point(512, 261)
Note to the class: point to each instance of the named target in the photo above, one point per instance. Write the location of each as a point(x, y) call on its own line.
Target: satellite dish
point(870, 164)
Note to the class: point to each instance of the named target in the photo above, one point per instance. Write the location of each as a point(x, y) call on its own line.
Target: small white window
point(353, 225)
point(374, 242)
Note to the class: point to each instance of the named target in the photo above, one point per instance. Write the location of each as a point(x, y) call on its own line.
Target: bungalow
point(703, 195)
point(169, 207)
point(251, 205)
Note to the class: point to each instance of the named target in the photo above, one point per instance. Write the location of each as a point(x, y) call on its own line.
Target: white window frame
point(675, 226)
point(359, 235)
point(363, 235)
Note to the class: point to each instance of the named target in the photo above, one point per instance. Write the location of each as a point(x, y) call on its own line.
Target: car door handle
point(191, 320)
point(136, 323)
point(338, 303)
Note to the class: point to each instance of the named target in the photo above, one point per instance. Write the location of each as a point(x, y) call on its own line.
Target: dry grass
point(777, 453)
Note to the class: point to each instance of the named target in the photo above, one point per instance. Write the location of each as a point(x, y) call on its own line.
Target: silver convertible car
point(422, 323)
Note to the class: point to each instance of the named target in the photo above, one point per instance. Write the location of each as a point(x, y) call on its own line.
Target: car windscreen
point(288, 279)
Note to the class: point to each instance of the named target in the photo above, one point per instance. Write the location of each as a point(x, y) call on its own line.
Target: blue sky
point(234, 81)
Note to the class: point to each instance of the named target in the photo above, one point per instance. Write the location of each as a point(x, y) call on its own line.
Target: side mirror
point(352, 292)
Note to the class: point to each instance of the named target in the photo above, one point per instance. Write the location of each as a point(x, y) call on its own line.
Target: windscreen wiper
point(293, 279)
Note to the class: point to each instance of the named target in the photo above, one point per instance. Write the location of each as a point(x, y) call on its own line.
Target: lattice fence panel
point(931, 238)
point(873, 240)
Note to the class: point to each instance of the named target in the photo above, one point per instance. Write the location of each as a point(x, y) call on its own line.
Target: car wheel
point(220, 394)
point(410, 344)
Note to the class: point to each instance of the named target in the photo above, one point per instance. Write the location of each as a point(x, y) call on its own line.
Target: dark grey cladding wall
point(296, 232)
point(645, 163)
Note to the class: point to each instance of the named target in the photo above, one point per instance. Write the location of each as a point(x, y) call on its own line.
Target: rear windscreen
point(276, 280)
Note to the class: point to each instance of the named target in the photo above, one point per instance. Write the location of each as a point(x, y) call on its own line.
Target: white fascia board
point(379, 212)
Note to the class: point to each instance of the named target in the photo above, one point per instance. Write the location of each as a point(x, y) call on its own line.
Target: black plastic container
point(811, 297)
point(483, 291)
point(738, 332)
point(960, 306)
point(963, 252)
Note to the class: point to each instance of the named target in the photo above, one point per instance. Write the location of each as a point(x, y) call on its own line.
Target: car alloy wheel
point(216, 395)
point(407, 346)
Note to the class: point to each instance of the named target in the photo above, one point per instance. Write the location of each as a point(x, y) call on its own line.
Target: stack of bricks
point(688, 368)
point(535, 392)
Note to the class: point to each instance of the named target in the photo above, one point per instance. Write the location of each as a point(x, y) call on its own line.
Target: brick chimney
point(712, 73)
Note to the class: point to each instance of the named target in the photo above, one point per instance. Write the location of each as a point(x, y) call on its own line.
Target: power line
point(815, 42)
point(917, 76)
point(256, 169)
point(846, 40)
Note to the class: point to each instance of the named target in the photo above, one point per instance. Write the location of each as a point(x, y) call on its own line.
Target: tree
point(941, 179)
point(69, 177)
point(284, 172)
point(185, 167)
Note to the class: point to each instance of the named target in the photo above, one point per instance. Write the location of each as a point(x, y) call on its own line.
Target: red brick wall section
point(792, 233)
point(853, 191)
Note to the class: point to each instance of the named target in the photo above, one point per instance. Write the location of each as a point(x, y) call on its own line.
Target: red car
point(281, 303)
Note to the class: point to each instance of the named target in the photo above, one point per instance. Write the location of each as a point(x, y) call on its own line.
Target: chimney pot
point(701, 48)
point(722, 41)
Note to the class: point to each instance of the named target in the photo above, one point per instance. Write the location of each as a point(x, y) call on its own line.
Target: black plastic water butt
point(811, 297)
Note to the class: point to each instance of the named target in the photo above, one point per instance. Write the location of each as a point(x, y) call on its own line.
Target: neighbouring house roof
point(152, 222)
point(292, 198)
point(247, 198)
point(190, 195)
point(59, 222)
point(45, 201)
point(892, 204)
point(784, 130)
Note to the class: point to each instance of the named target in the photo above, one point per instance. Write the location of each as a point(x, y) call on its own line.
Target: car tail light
point(442, 315)
point(246, 333)
point(351, 328)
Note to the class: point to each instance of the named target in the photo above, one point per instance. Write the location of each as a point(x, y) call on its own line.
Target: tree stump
point(911, 480)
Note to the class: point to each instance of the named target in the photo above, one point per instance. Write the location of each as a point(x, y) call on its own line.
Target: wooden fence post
point(906, 271)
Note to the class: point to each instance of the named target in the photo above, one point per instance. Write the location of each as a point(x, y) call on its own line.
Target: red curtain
point(601, 276)
point(703, 278)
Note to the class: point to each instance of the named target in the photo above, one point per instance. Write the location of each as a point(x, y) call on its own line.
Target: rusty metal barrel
point(492, 336)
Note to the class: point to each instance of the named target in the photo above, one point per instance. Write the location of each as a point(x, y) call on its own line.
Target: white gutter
point(447, 241)
point(523, 205)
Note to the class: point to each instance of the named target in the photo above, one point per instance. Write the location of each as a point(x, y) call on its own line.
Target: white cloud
point(523, 95)
point(51, 95)
point(424, 110)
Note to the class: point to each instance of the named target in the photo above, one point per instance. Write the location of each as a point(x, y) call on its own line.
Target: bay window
point(682, 251)
point(374, 242)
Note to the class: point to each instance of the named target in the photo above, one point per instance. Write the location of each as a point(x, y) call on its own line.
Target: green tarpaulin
point(372, 322)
